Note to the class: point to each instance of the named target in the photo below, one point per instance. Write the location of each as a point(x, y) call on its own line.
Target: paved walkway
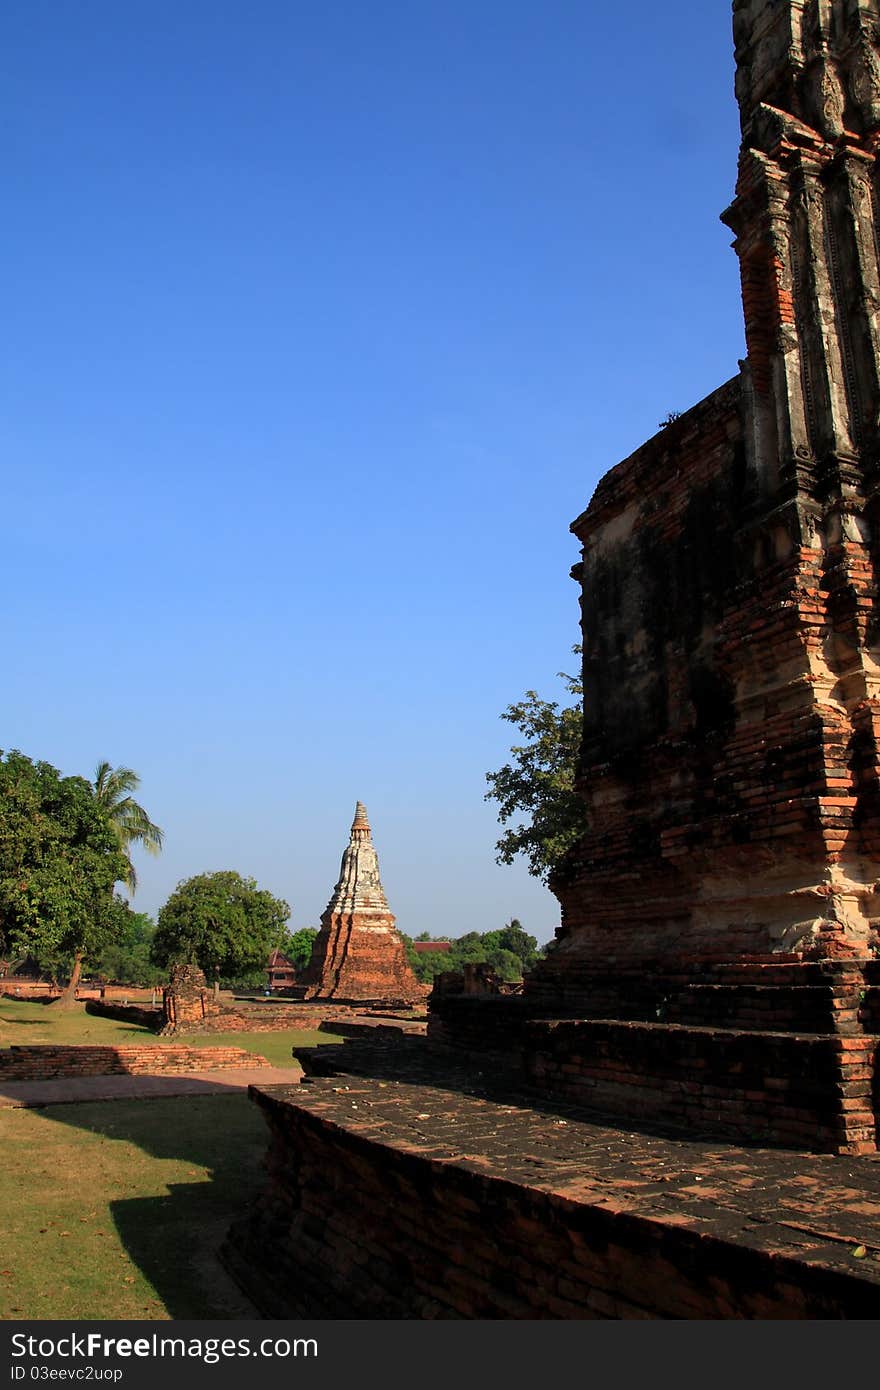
point(69, 1090)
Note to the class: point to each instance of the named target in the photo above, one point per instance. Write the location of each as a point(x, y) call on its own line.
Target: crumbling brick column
point(186, 1001)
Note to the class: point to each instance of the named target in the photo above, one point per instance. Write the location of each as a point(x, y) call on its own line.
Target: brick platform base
point(780, 1053)
point(446, 1198)
point(769, 1088)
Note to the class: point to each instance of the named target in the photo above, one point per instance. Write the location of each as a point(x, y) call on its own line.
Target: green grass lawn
point(24, 1022)
point(116, 1209)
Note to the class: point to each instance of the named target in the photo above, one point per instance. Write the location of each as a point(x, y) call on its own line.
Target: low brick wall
point(265, 1018)
point(42, 991)
point(412, 1203)
point(486, 1023)
point(144, 1016)
point(47, 1063)
point(830, 997)
point(280, 1018)
point(807, 1091)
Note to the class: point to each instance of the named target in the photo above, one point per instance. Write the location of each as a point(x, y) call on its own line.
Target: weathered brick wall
point(260, 1020)
point(45, 1063)
point(360, 956)
point(356, 1226)
point(13, 988)
point(809, 1092)
point(280, 1018)
point(474, 1023)
point(730, 767)
point(730, 795)
point(187, 1002)
point(149, 1017)
point(794, 996)
point(782, 1054)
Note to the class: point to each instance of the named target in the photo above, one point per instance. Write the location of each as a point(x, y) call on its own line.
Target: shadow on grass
point(218, 1139)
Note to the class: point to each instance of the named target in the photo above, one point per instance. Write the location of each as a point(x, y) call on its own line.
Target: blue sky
point(323, 321)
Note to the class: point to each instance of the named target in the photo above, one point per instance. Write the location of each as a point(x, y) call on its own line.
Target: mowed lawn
point(23, 1022)
point(116, 1209)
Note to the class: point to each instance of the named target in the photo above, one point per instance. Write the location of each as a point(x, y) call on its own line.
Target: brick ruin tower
point(358, 955)
point(728, 878)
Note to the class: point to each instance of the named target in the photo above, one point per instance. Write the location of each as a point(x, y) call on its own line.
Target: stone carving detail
point(864, 78)
point(829, 99)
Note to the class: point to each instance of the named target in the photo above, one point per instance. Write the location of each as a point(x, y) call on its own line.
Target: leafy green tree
point(59, 860)
point(127, 957)
point(514, 938)
point(298, 947)
point(538, 784)
point(509, 950)
point(221, 922)
point(131, 824)
point(507, 966)
point(426, 964)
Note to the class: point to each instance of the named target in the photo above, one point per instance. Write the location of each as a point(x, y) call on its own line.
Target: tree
point(131, 824)
point(538, 784)
point(507, 966)
point(221, 922)
point(509, 951)
point(298, 947)
point(59, 860)
point(512, 940)
point(126, 957)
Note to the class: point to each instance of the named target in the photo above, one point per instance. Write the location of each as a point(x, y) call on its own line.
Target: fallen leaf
point(859, 1252)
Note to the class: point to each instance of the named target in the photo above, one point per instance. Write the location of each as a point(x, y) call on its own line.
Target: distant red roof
point(279, 962)
point(421, 946)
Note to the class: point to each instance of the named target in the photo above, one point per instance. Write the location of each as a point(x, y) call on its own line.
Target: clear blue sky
point(322, 322)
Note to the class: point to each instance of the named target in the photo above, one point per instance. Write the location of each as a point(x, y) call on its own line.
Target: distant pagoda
point(358, 954)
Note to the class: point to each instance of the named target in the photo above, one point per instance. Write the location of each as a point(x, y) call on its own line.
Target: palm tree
point(113, 788)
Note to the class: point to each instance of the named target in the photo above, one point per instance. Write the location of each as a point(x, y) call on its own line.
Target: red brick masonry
point(43, 1063)
point(781, 1054)
point(772, 1088)
point(394, 1198)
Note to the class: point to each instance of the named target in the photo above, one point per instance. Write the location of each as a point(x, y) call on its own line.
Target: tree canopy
point(126, 957)
point(298, 946)
point(515, 940)
point(221, 922)
point(509, 951)
point(131, 824)
point(537, 786)
point(59, 860)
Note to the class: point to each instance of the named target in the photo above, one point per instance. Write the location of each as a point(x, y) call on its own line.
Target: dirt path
point(70, 1090)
